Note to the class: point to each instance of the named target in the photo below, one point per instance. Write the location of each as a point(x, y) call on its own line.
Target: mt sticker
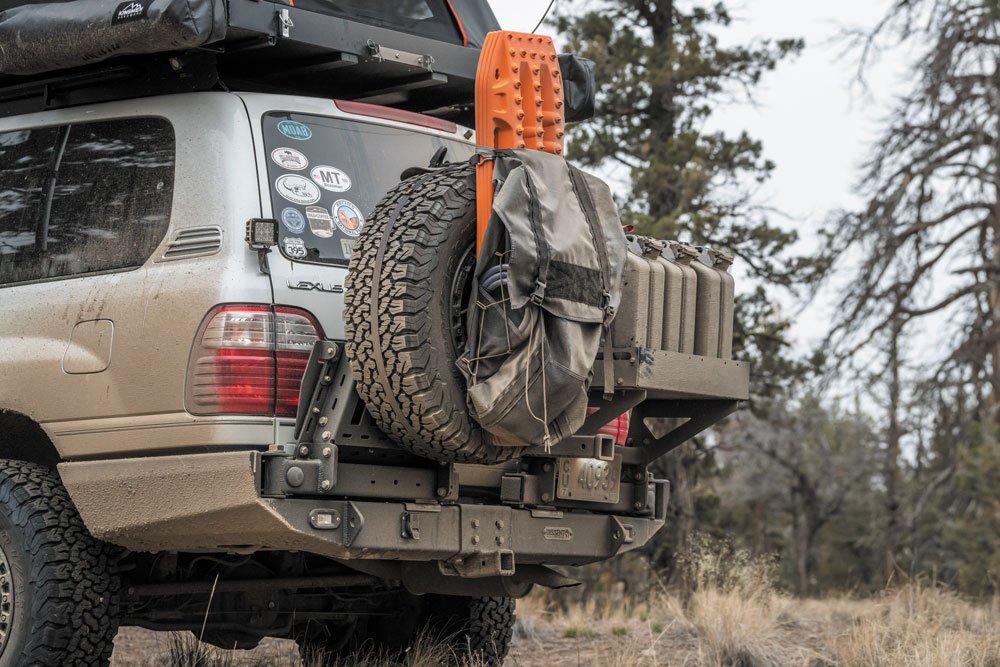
point(331, 179)
point(134, 10)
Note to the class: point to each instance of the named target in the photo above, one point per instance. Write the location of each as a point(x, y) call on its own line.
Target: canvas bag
point(45, 36)
point(547, 285)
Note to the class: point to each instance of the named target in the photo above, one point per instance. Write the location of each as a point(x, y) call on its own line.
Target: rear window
point(327, 175)
point(429, 18)
point(83, 198)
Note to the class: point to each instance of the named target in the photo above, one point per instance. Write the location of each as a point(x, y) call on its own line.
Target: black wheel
point(406, 293)
point(58, 597)
point(478, 628)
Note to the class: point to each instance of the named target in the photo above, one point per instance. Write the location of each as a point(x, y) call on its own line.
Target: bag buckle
point(538, 294)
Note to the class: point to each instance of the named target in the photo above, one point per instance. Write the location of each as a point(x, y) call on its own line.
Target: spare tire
point(407, 289)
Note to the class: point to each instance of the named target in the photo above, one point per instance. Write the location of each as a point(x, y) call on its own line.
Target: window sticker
point(295, 130)
point(347, 247)
point(290, 159)
point(297, 189)
point(293, 220)
point(348, 217)
point(295, 247)
point(320, 222)
point(331, 179)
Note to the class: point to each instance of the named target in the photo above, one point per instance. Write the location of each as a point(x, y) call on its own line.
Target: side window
point(83, 198)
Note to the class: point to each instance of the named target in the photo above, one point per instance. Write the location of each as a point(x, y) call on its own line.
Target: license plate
point(590, 480)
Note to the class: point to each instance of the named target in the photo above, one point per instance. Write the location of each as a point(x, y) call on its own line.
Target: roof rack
point(280, 49)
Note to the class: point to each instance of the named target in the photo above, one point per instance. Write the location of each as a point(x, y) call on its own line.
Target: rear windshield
point(429, 18)
point(327, 175)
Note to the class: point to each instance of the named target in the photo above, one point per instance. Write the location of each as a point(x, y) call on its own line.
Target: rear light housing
point(398, 115)
point(617, 428)
point(249, 359)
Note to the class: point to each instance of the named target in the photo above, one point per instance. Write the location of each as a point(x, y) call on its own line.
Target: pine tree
point(661, 71)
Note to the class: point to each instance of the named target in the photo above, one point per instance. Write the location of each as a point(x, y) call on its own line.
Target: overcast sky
point(814, 124)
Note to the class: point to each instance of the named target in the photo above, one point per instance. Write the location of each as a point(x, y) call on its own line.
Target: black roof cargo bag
point(46, 36)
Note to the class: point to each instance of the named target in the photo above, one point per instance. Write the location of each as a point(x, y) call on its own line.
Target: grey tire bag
point(547, 286)
point(41, 37)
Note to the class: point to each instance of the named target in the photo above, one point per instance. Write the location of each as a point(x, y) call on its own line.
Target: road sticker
point(295, 248)
point(293, 220)
point(331, 179)
point(295, 130)
point(348, 217)
point(297, 189)
point(290, 159)
point(320, 222)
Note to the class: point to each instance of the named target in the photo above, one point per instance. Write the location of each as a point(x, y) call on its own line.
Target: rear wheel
point(58, 598)
point(474, 630)
point(406, 294)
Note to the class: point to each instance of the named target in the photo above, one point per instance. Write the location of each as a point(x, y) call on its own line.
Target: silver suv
point(170, 269)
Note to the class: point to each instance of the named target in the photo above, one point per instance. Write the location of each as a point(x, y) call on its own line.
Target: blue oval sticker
point(295, 130)
point(293, 220)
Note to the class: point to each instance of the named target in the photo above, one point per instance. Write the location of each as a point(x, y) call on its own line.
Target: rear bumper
point(212, 502)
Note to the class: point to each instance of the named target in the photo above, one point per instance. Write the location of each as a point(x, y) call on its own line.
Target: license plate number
point(590, 480)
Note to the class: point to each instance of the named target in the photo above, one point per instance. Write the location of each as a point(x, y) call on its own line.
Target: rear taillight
point(249, 360)
point(618, 428)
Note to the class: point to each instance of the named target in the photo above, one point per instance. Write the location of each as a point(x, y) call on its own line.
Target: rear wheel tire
point(58, 597)
point(403, 316)
point(476, 630)
point(479, 628)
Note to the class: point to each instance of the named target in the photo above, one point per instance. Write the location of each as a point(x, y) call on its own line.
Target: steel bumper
point(212, 503)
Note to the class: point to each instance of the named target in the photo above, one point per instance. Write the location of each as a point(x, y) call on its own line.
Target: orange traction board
point(519, 104)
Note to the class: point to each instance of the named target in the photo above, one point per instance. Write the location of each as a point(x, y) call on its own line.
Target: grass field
point(743, 624)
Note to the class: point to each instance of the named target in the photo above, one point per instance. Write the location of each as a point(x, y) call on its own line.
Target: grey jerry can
point(651, 250)
point(721, 262)
point(683, 256)
point(673, 300)
point(630, 327)
point(708, 323)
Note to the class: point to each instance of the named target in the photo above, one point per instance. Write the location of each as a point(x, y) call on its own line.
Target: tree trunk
point(891, 467)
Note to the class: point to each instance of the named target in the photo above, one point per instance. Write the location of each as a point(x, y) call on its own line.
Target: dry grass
point(923, 626)
point(730, 616)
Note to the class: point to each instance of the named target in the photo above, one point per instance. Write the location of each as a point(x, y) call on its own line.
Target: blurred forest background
point(874, 458)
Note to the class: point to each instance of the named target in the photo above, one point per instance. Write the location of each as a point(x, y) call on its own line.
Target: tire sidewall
point(12, 541)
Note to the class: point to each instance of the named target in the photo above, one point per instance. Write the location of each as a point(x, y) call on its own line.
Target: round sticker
point(297, 189)
point(295, 130)
point(295, 248)
point(331, 179)
point(347, 217)
point(320, 222)
point(290, 159)
point(293, 220)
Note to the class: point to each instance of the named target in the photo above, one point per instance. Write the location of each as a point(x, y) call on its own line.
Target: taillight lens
point(249, 360)
point(618, 428)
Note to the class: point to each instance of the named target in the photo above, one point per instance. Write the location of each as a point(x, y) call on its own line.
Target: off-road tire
point(475, 630)
point(398, 315)
point(478, 628)
point(65, 602)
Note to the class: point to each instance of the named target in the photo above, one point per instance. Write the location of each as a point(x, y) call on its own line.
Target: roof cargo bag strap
point(548, 281)
point(47, 36)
